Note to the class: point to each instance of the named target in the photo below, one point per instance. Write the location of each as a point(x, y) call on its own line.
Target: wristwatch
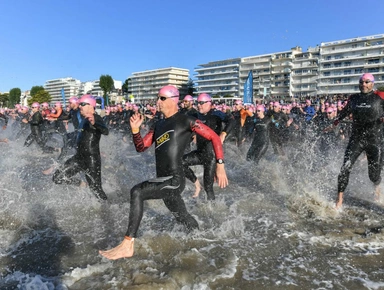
point(220, 161)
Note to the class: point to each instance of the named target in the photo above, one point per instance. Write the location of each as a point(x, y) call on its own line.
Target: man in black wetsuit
point(36, 121)
point(87, 157)
point(204, 154)
point(171, 135)
point(367, 109)
point(260, 140)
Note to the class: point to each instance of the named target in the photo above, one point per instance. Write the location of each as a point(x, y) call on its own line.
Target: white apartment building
point(145, 85)
point(342, 62)
point(305, 73)
point(70, 85)
point(328, 69)
point(219, 78)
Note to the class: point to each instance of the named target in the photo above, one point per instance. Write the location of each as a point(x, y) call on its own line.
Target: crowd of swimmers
point(353, 122)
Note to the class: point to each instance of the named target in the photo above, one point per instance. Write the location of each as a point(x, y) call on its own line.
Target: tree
point(106, 84)
point(127, 86)
point(191, 90)
point(41, 96)
point(35, 89)
point(4, 100)
point(14, 96)
point(381, 89)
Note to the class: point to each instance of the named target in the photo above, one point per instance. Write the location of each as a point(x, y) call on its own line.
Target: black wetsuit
point(204, 154)
point(86, 159)
point(3, 119)
point(171, 136)
point(36, 135)
point(367, 109)
point(75, 117)
point(260, 140)
point(276, 130)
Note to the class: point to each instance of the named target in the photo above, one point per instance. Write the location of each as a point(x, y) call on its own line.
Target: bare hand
point(221, 176)
point(90, 118)
point(136, 120)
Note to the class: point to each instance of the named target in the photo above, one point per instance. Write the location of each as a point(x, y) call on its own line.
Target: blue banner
point(102, 101)
point(63, 96)
point(248, 89)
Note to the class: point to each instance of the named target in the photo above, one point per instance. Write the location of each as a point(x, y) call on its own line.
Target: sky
point(42, 40)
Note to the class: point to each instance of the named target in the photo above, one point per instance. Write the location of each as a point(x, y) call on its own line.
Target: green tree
point(191, 89)
point(14, 96)
point(107, 85)
point(35, 89)
point(381, 89)
point(4, 100)
point(127, 86)
point(40, 97)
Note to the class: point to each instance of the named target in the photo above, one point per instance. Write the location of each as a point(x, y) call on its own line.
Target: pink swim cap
point(170, 91)
point(45, 105)
point(367, 76)
point(35, 104)
point(188, 98)
point(276, 104)
point(58, 104)
point(88, 99)
point(73, 100)
point(260, 108)
point(204, 98)
point(329, 110)
point(238, 102)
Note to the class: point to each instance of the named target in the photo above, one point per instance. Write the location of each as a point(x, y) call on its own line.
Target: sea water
point(273, 227)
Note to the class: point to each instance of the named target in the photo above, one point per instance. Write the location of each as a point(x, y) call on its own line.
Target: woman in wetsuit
point(87, 158)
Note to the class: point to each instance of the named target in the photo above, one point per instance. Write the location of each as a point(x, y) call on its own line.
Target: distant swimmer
point(87, 158)
point(171, 136)
point(204, 155)
point(36, 121)
point(260, 140)
point(367, 109)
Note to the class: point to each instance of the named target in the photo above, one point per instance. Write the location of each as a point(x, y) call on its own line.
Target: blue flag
point(248, 89)
point(63, 96)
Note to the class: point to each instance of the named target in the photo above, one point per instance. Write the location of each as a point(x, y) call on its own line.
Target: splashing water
point(273, 227)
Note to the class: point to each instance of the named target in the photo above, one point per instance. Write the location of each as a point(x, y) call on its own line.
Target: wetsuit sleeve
point(100, 125)
point(57, 114)
point(199, 128)
point(142, 144)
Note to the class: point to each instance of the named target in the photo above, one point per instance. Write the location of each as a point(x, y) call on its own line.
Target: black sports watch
point(220, 161)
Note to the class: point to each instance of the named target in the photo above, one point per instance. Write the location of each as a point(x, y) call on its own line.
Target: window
point(373, 70)
point(337, 64)
point(327, 65)
point(373, 61)
point(326, 74)
point(347, 72)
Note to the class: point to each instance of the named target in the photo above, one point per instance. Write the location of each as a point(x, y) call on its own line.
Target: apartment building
point(145, 85)
point(219, 78)
point(328, 69)
point(54, 87)
point(342, 62)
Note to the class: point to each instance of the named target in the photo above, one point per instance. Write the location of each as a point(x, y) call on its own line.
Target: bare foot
point(49, 170)
point(83, 184)
point(4, 140)
point(377, 193)
point(197, 189)
point(124, 250)
point(339, 201)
